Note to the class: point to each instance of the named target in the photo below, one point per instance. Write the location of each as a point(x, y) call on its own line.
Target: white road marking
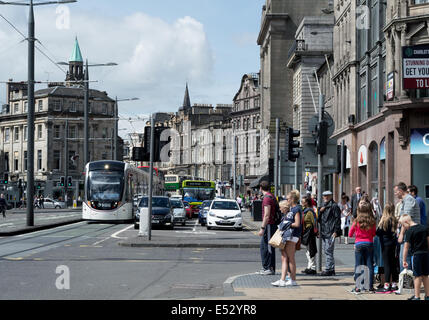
point(195, 226)
point(115, 235)
point(98, 242)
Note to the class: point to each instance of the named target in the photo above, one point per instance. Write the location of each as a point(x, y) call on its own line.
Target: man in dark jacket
point(3, 205)
point(330, 224)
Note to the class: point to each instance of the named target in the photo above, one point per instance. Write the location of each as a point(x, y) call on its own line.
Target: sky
point(158, 46)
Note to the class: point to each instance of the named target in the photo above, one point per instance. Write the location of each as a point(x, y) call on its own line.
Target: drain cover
point(192, 286)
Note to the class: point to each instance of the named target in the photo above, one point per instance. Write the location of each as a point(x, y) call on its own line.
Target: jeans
point(328, 248)
point(268, 253)
point(409, 261)
point(364, 261)
point(311, 261)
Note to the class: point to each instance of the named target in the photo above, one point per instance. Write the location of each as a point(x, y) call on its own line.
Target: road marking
point(115, 235)
point(195, 226)
point(98, 242)
point(6, 224)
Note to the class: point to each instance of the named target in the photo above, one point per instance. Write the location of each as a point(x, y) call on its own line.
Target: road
point(32, 265)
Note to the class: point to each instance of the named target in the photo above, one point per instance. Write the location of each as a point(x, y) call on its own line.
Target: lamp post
point(86, 104)
point(30, 97)
point(115, 133)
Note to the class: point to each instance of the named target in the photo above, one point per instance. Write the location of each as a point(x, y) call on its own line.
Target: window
point(6, 135)
point(39, 159)
point(57, 132)
point(104, 135)
point(6, 161)
point(25, 133)
point(104, 108)
point(420, 1)
point(16, 161)
point(246, 104)
point(16, 134)
point(257, 103)
point(374, 91)
point(374, 25)
point(39, 131)
point(57, 160)
point(363, 98)
point(56, 105)
point(25, 106)
point(72, 132)
point(40, 105)
point(15, 107)
point(25, 160)
point(73, 106)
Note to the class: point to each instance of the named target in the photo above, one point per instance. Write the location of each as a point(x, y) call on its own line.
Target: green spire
point(76, 55)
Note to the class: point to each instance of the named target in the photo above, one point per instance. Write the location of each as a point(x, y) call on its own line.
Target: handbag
point(276, 240)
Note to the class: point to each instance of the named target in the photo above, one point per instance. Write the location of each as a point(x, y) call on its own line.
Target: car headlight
point(211, 214)
point(238, 215)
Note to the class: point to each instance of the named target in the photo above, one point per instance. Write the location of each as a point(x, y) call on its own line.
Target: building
point(312, 50)
point(246, 124)
point(383, 123)
point(279, 23)
point(57, 105)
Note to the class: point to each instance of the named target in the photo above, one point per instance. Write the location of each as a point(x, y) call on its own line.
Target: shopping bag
point(276, 240)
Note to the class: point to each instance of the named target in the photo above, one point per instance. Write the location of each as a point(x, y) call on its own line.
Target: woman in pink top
point(364, 228)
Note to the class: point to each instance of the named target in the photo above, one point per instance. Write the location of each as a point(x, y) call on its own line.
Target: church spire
point(186, 100)
point(75, 72)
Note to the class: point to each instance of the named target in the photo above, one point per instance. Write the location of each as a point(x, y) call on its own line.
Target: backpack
point(315, 229)
point(277, 213)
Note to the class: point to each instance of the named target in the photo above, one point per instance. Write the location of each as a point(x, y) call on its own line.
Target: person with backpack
point(309, 233)
point(270, 209)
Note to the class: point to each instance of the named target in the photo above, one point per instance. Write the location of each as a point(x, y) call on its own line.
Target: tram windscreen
point(104, 185)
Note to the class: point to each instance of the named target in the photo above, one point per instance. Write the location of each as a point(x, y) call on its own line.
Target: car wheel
point(57, 207)
point(203, 224)
point(136, 226)
point(209, 228)
point(239, 229)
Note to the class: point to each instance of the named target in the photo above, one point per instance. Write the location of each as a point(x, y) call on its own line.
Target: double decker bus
point(196, 191)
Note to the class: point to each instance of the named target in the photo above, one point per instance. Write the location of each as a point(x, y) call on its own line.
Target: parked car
point(49, 203)
point(202, 215)
point(162, 212)
point(179, 211)
point(188, 209)
point(224, 214)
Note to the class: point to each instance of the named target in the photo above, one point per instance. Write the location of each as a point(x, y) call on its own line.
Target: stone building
point(382, 123)
point(279, 22)
point(246, 124)
point(54, 105)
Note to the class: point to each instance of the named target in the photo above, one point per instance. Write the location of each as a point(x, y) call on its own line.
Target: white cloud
point(155, 58)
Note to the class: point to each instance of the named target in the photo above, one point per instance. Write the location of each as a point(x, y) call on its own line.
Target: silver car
point(48, 203)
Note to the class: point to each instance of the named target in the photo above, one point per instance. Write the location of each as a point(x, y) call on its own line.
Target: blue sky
point(210, 43)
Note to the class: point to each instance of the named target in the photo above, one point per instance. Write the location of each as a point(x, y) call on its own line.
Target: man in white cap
point(330, 220)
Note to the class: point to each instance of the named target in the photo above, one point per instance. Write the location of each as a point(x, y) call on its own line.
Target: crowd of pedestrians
point(387, 239)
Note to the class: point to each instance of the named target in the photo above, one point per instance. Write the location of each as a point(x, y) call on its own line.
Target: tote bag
point(276, 240)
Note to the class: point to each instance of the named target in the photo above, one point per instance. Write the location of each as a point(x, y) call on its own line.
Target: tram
point(110, 188)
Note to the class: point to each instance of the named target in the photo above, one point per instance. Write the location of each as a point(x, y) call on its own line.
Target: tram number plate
point(105, 205)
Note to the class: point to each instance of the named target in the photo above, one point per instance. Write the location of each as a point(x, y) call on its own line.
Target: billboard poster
point(415, 62)
point(390, 86)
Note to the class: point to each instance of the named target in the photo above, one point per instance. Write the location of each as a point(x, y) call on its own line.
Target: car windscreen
point(105, 185)
point(206, 204)
point(156, 202)
point(176, 203)
point(225, 205)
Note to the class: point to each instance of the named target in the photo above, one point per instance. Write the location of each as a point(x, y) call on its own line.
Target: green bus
point(195, 192)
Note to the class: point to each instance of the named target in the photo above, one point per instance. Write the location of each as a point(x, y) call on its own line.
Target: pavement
point(15, 221)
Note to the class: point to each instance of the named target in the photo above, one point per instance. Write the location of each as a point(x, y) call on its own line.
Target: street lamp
point(115, 133)
point(30, 97)
point(86, 104)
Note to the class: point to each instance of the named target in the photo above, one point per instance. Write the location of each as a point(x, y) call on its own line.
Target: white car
point(48, 203)
point(179, 212)
point(224, 213)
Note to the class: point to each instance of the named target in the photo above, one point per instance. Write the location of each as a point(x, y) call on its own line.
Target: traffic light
point(322, 137)
point(69, 182)
point(6, 178)
point(39, 186)
point(291, 145)
point(62, 182)
point(19, 183)
point(341, 162)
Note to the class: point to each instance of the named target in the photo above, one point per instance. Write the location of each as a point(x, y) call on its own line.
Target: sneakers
point(328, 273)
point(414, 298)
point(385, 289)
point(291, 283)
point(356, 291)
point(279, 283)
point(266, 272)
point(309, 271)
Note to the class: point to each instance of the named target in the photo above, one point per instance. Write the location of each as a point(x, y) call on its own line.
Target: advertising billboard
point(415, 62)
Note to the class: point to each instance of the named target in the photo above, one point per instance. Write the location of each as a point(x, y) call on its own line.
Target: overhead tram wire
point(38, 49)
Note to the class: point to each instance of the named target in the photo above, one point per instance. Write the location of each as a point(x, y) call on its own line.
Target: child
point(386, 232)
point(364, 227)
point(417, 245)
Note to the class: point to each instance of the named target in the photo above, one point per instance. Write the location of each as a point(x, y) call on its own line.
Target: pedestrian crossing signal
point(62, 181)
point(69, 182)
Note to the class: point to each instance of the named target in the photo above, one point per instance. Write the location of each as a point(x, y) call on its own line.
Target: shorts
point(421, 264)
point(293, 239)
